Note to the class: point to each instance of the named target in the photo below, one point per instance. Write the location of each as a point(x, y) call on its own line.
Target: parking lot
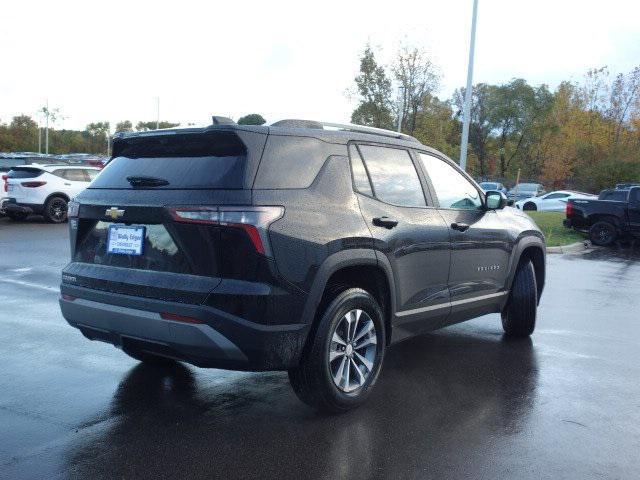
point(462, 402)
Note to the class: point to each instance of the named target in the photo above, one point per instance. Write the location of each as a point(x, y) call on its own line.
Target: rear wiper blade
point(142, 181)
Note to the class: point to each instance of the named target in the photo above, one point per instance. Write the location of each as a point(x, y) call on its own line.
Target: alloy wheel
point(352, 353)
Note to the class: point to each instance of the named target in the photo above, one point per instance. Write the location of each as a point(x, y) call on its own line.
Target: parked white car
point(43, 189)
point(552, 201)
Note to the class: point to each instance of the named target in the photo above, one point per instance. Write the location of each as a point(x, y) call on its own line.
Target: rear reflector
point(179, 318)
point(68, 298)
point(254, 221)
point(33, 184)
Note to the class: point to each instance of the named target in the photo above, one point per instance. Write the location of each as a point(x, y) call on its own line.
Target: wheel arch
point(348, 269)
point(56, 194)
point(531, 248)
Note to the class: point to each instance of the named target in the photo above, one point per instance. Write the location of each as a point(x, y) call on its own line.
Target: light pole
point(467, 93)
point(157, 113)
point(400, 106)
point(46, 130)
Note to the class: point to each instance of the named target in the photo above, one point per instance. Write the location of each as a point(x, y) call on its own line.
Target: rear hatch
point(166, 218)
point(21, 180)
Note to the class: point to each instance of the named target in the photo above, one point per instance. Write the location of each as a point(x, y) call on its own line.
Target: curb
point(571, 248)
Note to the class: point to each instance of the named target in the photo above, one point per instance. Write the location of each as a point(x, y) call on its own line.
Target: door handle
point(68, 184)
point(461, 227)
point(385, 222)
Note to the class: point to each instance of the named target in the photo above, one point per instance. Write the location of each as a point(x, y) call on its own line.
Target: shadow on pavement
point(440, 401)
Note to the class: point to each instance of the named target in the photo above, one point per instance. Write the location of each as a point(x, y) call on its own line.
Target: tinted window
point(551, 196)
point(75, 175)
point(187, 161)
point(91, 174)
point(394, 176)
point(452, 188)
point(360, 177)
point(24, 173)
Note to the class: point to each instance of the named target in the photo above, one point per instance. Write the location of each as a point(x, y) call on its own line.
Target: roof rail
point(296, 123)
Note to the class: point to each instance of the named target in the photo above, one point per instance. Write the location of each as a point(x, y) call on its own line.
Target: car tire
point(602, 233)
point(55, 210)
point(147, 358)
point(17, 216)
point(332, 375)
point(530, 206)
point(519, 314)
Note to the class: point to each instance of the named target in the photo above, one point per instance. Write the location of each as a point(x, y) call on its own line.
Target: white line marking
point(29, 284)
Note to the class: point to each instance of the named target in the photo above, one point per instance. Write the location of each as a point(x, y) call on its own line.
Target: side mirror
point(495, 200)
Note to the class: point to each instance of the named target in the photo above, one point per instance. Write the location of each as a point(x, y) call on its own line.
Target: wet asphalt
point(463, 402)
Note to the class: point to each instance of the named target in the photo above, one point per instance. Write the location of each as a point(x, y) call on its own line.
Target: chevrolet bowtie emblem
point(114, 213)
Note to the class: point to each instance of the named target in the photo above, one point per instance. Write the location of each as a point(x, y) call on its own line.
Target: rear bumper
point(10, 205)
point(220, 341)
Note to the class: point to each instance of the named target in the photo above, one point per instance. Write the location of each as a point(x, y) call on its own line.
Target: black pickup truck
point(606, 220)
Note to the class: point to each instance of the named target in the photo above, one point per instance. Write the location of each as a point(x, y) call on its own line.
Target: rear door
point(480, 240)
point(74, 180)
point(553, 202)
point(410, 234)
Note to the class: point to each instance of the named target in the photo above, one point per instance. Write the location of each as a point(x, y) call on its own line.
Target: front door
point(412, 237)
point(480, 241)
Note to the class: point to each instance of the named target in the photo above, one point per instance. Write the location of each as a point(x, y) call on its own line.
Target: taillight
point(569, 209)
point(6, 183)
point(253, 220)
point(33, 184)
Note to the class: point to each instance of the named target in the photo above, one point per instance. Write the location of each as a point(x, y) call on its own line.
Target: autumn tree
point(374, 88)
point(418, 78)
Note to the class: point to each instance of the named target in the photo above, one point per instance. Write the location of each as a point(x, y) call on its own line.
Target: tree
point(252, 119)
point(124, 126)
point(479, 126)
point(418, 78)
point(145, 126)
point(374, 88)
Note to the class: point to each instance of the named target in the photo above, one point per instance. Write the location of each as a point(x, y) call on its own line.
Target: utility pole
point(467, 93)
point(39, 138)
point(157, 113)
point(46, 130)
point(400, 107)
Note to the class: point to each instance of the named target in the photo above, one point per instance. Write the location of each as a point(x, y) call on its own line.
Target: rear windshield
point(24, 172)
point(185, 161)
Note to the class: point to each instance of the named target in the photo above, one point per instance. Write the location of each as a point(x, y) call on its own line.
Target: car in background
point(88, 159)
point(552, 201)
point(495, 186)
point(44, 189)
point(525, 190)
point(606, 220)
point(626, 186)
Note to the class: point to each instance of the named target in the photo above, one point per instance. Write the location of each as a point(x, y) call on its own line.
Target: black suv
point(299, 246)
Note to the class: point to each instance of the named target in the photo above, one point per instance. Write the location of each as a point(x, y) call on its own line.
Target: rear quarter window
point(293, 162)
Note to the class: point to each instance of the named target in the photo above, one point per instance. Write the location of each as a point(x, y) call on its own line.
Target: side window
point(394, 177)
point(451, 187)
point(75, 175)
point(360, 177)
point(90, 174)
point(553, 196)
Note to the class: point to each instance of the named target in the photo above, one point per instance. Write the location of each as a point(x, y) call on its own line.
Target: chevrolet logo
point(114, 213)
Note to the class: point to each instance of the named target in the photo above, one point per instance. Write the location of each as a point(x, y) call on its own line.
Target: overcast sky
point(100, 61)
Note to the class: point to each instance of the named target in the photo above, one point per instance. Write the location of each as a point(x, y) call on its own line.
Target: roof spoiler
point(222, 120)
